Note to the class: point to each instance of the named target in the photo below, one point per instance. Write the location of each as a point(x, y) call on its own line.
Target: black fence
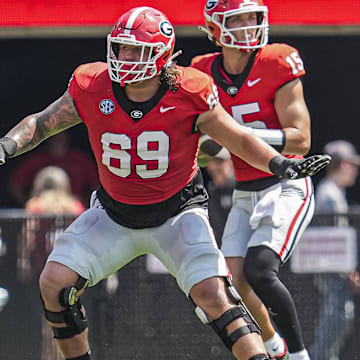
point(146, 316)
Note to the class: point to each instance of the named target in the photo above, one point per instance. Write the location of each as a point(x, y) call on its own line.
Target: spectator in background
point(354, 279)
point(340, 175)
point(80, 168)
point(51, 195)
point(220, 188)
point(336, 290)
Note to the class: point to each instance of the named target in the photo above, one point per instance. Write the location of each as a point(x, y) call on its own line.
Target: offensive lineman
point(143, 115)
point(260, 86)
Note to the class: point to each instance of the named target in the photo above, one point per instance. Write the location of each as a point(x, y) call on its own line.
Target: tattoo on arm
point(33, 129)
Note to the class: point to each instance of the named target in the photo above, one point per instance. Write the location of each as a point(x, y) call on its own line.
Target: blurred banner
point(326, 249)
point(45, 13)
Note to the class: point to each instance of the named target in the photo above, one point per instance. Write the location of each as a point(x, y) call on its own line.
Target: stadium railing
point(147, 317)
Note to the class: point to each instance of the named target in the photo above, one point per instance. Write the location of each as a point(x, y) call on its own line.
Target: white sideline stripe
point(132, 19)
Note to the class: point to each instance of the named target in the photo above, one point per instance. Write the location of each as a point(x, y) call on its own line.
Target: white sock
point(300, 355)
point(275, 345)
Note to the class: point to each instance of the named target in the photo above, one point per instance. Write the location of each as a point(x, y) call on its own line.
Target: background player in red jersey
point(260, 86)
point(144, 116)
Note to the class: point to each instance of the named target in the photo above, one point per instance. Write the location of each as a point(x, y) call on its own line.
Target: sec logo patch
point(106, 106)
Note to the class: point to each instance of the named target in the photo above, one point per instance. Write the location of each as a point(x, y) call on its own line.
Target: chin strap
point(173, 56)
point(206, 31)
point(209, 35)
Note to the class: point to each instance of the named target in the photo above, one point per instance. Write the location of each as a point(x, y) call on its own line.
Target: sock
point(82, 357)
point(275, 345)
point(300, 355)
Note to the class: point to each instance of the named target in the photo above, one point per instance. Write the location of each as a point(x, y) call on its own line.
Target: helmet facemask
point(130, 72)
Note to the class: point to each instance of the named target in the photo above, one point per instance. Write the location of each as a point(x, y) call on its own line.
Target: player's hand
point(306, 167)
point(296, 169)
point(7, 148)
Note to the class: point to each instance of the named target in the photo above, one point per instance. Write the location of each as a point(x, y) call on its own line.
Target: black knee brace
point(72, 316)
point(220, 324)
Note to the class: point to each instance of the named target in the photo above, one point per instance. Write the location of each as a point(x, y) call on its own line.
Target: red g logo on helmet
point(242, 37)
point(153, 36)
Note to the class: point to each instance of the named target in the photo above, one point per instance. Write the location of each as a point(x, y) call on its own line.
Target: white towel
point(265, 206)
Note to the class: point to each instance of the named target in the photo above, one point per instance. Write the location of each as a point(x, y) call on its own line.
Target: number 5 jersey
point(249, 96)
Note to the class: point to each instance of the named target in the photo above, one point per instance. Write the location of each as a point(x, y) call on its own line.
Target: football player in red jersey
point(144, 115)
point(260, 86)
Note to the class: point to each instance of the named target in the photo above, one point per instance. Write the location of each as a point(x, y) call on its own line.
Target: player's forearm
point(239, 140)
point(35, 128)
point(274, 137)
point(27, 134)
point(297, 141)
point(289, 141)
point(243, 144)
point(254, 151)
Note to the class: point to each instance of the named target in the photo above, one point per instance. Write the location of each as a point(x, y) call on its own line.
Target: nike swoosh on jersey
point(162, 109)
point(254, 82)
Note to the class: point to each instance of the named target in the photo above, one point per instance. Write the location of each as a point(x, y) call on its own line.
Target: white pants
point(275, 217)
point(94, 246)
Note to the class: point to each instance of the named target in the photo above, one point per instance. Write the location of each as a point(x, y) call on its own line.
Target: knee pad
point(72, 316)
point(220, 324)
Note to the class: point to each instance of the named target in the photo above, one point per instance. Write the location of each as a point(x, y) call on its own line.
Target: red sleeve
point(289, 62)
point(201, 86)
point(84, 77)
point(203, 62)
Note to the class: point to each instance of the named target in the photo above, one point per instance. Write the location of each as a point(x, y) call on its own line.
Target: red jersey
point(249, 98)
point(145, 152)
